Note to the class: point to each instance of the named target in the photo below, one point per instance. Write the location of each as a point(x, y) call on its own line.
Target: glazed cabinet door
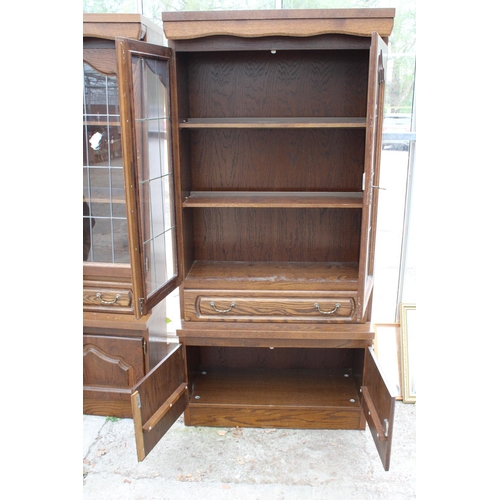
point(144, 75)
point(374, 122)
point(378, 403)
point(159, 399)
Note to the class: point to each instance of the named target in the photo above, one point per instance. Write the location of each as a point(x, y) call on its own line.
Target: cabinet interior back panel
point(277, 159)
point(288, 234)
point(284, 358)
point(316, 83)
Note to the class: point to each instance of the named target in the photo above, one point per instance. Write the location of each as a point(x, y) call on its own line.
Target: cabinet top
point(280, 22)
point(109, 26)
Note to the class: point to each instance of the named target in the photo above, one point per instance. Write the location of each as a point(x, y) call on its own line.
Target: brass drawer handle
point(212, 303)
point(334, 310)
point(107, 302)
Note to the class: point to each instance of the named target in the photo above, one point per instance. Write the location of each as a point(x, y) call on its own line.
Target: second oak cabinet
point(274, 120)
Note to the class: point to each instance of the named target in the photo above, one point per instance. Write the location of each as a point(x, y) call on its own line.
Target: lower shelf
point(315, 399)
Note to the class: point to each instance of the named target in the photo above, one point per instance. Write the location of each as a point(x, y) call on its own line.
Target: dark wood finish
point(159, 399)
point(280, 306)
point(111, 367)
point(275, 126)
point(378, 404)
point(287, 22)
point(138, 176)
point(281, 235)
point(224, 43)
point(326, 84)
point(118, 350)
point(309, 388)
point(240, 159)
point(376, 87)
point(121, 343)
point(106, 271)
point(235, 275)
point(235, 199)
point(110, 26)
point(104, 365)
point(100, 298)
point(101, 59)
point(314, 417)
point(281, 140)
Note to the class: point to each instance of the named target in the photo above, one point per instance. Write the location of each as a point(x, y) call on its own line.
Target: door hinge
point(141, 306)
point(138, 399)
point(144, 346)
point(381, 75)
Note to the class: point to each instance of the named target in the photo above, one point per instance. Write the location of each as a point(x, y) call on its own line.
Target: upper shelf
point(261, 199)
point(271, 122)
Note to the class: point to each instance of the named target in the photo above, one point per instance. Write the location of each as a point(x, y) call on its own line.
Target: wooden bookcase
point(275, 122)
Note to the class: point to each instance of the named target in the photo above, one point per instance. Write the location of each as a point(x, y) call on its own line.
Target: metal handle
point(212, 303)
point(334, 310)
point(108, 302)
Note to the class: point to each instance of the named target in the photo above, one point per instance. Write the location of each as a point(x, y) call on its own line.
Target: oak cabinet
point(124, 329)
point(274, 120)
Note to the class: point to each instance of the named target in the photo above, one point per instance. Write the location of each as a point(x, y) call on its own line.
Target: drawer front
point(281, 307)
point(107, 299)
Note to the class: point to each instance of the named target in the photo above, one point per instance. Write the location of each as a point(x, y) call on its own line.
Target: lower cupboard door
point(158, 400)
point(378, 403)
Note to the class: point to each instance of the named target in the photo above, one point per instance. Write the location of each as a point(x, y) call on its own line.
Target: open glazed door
point(144, 74)
point(158, 400)
point(374, 123)
point(378, 403)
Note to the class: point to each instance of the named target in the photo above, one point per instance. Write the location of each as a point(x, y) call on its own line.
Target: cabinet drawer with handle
point(246, 306)
point(95, 299)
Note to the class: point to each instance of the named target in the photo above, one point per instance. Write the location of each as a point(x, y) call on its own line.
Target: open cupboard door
point(158, 400)
point(378, 402)
point(374, 123)
point(145, 85)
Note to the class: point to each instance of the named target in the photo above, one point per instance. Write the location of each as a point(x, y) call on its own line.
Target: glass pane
point(101, 241)
point(171, 261)
point(160, 257)
point(154, 167)
point(169, 195)
point(104, 226)
point(154, 148)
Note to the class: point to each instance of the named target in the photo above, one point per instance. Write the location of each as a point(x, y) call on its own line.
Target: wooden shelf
point(271, 122)
point(236, 275)
point(249, 199)
point(276, 387)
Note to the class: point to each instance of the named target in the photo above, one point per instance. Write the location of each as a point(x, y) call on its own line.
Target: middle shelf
point(274, 122)
point(262, 199)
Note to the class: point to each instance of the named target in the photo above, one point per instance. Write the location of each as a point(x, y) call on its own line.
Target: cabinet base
point(290, 418)
point(116, 404)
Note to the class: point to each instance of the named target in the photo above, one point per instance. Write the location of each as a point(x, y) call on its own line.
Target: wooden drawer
point(107, 299)
point(201, 305)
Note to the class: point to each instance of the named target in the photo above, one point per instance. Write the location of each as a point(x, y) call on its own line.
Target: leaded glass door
point(144, 79)
point(105, 235)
